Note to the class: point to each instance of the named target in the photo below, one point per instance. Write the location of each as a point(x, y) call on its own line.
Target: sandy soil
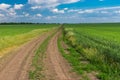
point(16, 66)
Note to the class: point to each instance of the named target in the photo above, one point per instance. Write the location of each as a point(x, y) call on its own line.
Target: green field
point(96, 44)
point(11, 30)
point(93, 49)
point(12, 36)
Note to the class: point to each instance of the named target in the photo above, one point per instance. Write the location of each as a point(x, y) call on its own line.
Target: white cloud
point(2, 15)
point(10, 12)
point(18, 6)
point(65, 8)
point(50, 3)
point(38, 15)
point(107, 8)
point(70, 1)
point(74, 10)
point(86, 11)
point(4, 6)
point(51, 17)
point(7, 10)
point(35, 7)
point(117, 11)
point(96, 10)
point(104, 12)
point(81, 12)
point(58, 11)
point(26, 14)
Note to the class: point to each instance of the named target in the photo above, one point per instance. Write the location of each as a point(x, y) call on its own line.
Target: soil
point(56, 67)
point(16, 65)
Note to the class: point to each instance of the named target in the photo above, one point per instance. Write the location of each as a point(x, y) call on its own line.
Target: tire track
point(17, 68)
point(56, 67)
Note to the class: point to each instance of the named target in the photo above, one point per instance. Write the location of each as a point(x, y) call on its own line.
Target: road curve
point(17, 68)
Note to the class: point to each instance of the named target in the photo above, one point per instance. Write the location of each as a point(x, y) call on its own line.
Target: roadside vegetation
point(79, 64)
point(94, 49)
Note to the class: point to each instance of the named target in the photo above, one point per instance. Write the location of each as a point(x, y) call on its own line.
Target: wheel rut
point(17, 68)
point(56, 67)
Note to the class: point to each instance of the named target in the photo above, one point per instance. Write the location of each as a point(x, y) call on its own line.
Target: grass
point(37, 62)
point(99, 45)
point(12, 36)
point(11, 30)
point(79, 64)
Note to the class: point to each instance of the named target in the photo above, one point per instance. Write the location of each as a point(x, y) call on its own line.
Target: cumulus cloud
point(18, 6)
point(26, 14)
point(117, 11)
point(65, 8)
point(38, 15)
point(86, 11)
point(36, 7)
point(11, 12)
point(2, 15)
point(50, 17)
point(4, 6)
point(50, 3)
point(74, 10)
point(7, 10)
point(58, 11)
point(104, 12)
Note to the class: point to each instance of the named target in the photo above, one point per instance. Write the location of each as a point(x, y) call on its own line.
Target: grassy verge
point(101, 55)
point(79, 64)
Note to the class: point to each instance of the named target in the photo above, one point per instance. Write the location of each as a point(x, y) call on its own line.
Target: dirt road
point(56, 67)
point(17, 67)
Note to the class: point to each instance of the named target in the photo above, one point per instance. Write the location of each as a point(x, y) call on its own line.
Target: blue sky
point(60, 11)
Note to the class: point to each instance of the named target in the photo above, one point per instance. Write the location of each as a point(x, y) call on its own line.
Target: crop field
point(12, 36)
point(98, 48)
point(60, 52)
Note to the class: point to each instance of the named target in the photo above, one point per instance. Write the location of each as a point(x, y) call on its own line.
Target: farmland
point(60, 52)
point(96, 46)
point(12, 36)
